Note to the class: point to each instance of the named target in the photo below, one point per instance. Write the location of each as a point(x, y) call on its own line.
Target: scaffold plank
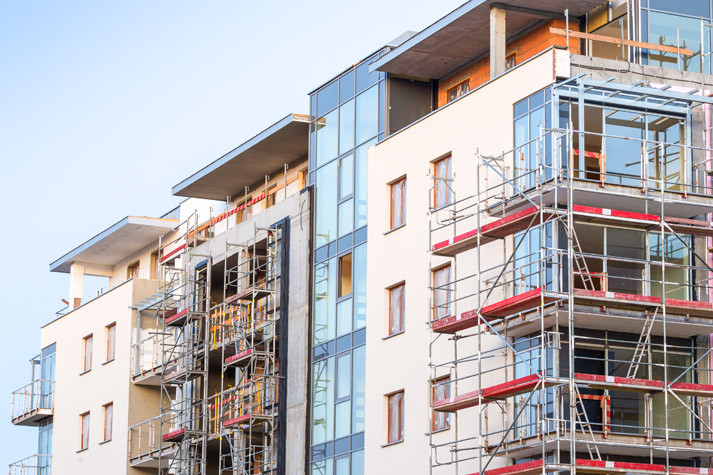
point(688, 306)
point(597, 466)
point(173, 253)
point(174, 435)
point(239, 358)
point(511, 224)
point(499, 391)
point(518, 303)
point(620, 383)
point(177, 318)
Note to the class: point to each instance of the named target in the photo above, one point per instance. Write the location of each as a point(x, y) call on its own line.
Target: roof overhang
point(283, 142)
point(114, 244)
point(464, 34)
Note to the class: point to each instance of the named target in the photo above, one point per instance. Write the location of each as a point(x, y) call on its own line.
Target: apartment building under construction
point(534, 182)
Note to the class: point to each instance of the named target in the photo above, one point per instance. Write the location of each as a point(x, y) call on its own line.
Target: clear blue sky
point(106, 105)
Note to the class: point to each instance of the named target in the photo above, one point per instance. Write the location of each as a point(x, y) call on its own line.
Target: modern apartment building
point(523, 191)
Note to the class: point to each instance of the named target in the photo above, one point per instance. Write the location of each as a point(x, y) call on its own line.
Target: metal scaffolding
point(246, 331)
point(576, 358)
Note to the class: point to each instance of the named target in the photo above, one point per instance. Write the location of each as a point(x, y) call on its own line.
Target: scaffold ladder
point(585, 425)
point(642, 344)
point(580, 262)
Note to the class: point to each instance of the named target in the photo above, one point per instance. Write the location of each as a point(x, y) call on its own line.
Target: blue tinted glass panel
point(362, 176)
point(325, 291)
point(346, 86)
point(327, 98)
point(367, 115)
point(358, 385)
point(327, 137)
point(346, 127)
point(663, 29)
point(364, 79)
point(358, 463)
point(346, 217)
point(687, 7)
point(326, 206)
point(359, 286)
point(323, 401)
point(346, 176)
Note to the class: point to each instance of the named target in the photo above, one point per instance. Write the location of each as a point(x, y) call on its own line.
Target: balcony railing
point(32, 465)
point(147, 354)
point(145, 441)
point(33, 401)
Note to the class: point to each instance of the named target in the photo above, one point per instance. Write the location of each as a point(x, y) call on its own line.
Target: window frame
point(399, 182)
point(402, 325)
point(132, 270)
point(446, 290)
point(443, 381)
point(455, 87)
point(446, 180)
point(400, 419)
point(108, 417)
point(84, 421)
point(87, 353)
point(110, 331)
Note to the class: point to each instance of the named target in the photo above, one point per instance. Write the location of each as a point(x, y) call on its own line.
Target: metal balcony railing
point(32, 465)
point(29, 399)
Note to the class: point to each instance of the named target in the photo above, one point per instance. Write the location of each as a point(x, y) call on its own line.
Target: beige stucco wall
point(482, 120)
point(76, 393)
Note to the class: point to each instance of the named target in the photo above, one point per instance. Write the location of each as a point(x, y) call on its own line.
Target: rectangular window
point(345, 275)
point(396, 417)
point(441, 292)
point(153, 272)
point(110, 341)
point(88, 342)
point(133, 270)
point(458, 90)
point(108, 420)
point(510, 60)
point(84, 433)
point(396, 309)
point(443, 190)
point(441, 389)
point(398, 203)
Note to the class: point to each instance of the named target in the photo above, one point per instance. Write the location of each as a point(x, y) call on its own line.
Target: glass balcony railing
point(32, 465)
point(32, 402)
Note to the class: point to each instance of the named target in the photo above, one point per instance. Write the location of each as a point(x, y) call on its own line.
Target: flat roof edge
point(168, 224)
point(425, 33)
point(179, 188)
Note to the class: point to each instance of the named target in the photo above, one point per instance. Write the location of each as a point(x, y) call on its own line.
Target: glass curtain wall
point(532, 117)
point(684, 24)
point(347, 119)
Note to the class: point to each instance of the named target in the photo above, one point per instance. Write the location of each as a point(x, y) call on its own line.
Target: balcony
point(146, 446)
point(33, 403)
point(32, 465)
point(148, 359)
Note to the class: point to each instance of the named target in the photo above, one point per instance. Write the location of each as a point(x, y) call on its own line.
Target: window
point(396, 417)
point(153, 272)
point(510, 60)
point(441, 292)
point(345, 275)
point(440, 390)
point(84, 431)
point(459, 90)
point(87, 360)
point(396, 309)
point(108, 420)
point(133, 270)
point(110, 341)
point(398, 203)
point(443, 174)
